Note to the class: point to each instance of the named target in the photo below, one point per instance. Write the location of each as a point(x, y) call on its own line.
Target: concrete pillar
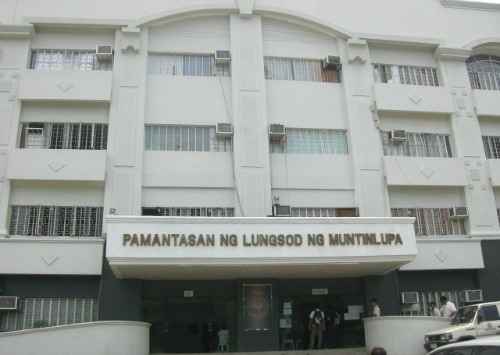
point(12, 63)
point(126, 124)
point(251, 148)
point(365, 142)
point(479, 196)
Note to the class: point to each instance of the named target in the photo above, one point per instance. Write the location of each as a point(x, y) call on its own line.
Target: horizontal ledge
point(259, 220)
point(54, 240)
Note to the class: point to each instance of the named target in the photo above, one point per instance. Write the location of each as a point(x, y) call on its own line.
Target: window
point(323, 212)
point(52, 221)
point(489, 313)
point(67, 59)
point(186, 139)
point(488, 350)
point(405, 74)
point(432, 221)
point(484, 72)
point(419, 145)
point(491, 147)
point(312, 141)
point(189, 211)
point(90, 136)
point(187, 65)
point(47, 312)
point(277, 68)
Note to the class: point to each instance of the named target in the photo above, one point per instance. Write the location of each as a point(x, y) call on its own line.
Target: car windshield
point(465, 315)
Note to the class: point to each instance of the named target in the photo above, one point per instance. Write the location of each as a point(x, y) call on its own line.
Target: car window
point(489, 350)
point(489, 313)
point(459, 351)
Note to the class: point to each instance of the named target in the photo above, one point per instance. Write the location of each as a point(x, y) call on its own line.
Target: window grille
point(48, 312)
point(278, 68)
point(405, 74)
point(186, 138)
point(491, 147)
point(312, 141)
point(323, 212)
point(419, 145)
point(484, 72)
point(67, 59)
point(432, 221)
point(187, 65)
point(189, 211)
point(56, 221)
point(427, 298)
point(89, 136)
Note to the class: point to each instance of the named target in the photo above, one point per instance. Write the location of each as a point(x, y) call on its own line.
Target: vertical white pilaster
point(251, 143)
point(466, 130)
point(126, 124)
point(365, 142)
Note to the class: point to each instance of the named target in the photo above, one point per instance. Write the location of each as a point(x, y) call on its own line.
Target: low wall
point(401, 335)
point(96, 338)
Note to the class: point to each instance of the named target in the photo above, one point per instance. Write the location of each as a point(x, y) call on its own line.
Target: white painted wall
point(315, 197)
point(401, 335)
point(432, 197)
point(490, 126)
point(402, 56)
point(414, 122)
point(64, 112)
point(70, 38)
point(187, 197)
point(97, 338)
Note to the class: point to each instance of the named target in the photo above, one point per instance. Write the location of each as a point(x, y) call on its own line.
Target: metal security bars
point(405, 74)
point(484, 72)
point(56, 221)
point(67, 59)
point(418, 145)
point(279, 68)
point(48, 312)
point(187, 65)
point(432, 221)
point(323, 212)
point(491, 147)
point(90, 136)
point(428, 298)
point(312, 141)
point(186, 139)
point(189, 211)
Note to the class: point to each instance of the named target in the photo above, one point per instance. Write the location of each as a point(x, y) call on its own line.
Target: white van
point(470, 322)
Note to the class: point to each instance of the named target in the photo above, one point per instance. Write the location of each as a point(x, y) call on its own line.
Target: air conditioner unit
point(222, 57)
point(277, 132)
point(459, 212)
point(398, 136)
point(471, 296)
point(281, 211)
point(8, 303)
point(104, 53)
point(410, 298)
point(332, 63)
point(224, 130)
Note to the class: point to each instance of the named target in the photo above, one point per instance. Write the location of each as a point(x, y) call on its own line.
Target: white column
point(365, 142)
point(251, 142)
point(466, 130)
point(126, 124)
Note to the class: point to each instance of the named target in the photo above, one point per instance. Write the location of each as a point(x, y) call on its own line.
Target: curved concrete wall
point(401, 335)
point(96, 338)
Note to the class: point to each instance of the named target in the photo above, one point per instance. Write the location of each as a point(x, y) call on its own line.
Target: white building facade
point(159, 160)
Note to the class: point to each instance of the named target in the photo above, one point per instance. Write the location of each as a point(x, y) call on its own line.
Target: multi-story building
point(230, 164)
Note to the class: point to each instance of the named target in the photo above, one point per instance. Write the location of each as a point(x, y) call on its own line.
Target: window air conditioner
point(471, 296)
point(410, 298)
point(397, 136)
point(332, 63)
point(8, 303)
point(459, 212)
point(277, 132)
point(224, 130)
point(222, 57)
point(104, 53)
point(281, 211)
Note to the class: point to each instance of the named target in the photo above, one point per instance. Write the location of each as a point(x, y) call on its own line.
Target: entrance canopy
point(196, 248)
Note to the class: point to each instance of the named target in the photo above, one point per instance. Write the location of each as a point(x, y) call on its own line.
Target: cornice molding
point(16, 31)
point(453, 53)
point(471, 5)
point(408, 41)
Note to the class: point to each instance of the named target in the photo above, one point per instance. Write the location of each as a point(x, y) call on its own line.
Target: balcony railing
point(405, 74)
point(68, 59)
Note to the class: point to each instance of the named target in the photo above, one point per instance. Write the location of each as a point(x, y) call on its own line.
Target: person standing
point(448, 308)
point(375, 308)
point(316, 328)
